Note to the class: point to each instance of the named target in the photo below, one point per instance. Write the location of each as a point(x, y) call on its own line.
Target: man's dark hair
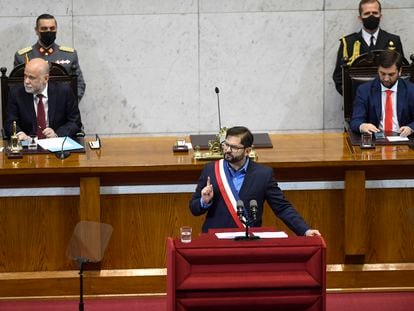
point(44, 16)
point(246, 137)
point(387, 58)
point(362, 2)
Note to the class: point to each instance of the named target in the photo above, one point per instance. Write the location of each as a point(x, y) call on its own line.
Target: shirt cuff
point(204, 205)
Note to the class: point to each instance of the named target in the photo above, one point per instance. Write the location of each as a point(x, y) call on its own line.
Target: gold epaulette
point(24, 50)
point(66, 49)
point(344, 49)
point(356, 52)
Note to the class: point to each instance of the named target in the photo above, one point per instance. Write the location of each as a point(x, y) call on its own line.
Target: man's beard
point(388, 85)
point(233, 159)
point(29, 89)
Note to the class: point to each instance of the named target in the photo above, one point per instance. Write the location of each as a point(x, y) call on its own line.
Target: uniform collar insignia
point(45, 51)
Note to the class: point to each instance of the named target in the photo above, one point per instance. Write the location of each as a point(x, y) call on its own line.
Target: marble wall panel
point(268, 67)
point(142, 78)
point(220, 6)
point(19, 8)
point(131, 7)
point(353, 4)
point(151, 66)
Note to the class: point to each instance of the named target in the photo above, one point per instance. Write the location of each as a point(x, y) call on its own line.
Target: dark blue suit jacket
point(258, 185)
point(367, 104)
point(63, 112)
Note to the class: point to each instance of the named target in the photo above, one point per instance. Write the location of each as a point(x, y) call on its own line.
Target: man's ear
point(247, 150)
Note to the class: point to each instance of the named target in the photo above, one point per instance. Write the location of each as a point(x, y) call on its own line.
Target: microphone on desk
point(253, 210)
point(218, 106)
point(247, 222)
point(240, 209)
point(62, 154)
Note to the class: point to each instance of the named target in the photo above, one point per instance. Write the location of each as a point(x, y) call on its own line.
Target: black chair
point(57, 73)
point(364, 69)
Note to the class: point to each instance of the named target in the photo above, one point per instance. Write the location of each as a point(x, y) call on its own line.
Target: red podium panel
point(213, 274)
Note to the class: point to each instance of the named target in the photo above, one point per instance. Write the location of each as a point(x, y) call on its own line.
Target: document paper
point(55, 144)
point(397, 138)
point(263, 235)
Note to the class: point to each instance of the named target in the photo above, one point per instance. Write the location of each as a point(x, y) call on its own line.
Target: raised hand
point(207, 192)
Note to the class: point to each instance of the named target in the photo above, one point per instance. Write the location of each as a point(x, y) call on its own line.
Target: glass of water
point(32, 145)
point(185, 234)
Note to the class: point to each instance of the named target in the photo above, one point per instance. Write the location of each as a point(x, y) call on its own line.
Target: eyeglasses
point(225, 145)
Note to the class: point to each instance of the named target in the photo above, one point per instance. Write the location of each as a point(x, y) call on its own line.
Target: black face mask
point(371, 22)
point(48, 37)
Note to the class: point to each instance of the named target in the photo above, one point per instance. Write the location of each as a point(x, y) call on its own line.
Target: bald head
point(36, 75)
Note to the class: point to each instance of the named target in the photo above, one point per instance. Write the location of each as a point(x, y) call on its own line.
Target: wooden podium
point(213, 274)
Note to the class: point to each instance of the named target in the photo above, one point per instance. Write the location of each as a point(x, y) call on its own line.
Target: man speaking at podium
point(42, 108)
point(236, 177)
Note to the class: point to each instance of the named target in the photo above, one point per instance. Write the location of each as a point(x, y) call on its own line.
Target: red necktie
point(41, 117)
point(388, 112)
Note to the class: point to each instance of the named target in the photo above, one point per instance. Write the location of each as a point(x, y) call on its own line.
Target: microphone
point(62, 154)
point(253, 209)
point(247, 223)
point(240, 209)
point(218, 106)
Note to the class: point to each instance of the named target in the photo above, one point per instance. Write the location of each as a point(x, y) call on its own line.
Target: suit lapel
point(377, 98)
point(401, 95)
point(51, 101)
point(381, 40)
point(29, 102)
point(364, 45)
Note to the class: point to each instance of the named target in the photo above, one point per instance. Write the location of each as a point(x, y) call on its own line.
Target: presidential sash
point(228, 191)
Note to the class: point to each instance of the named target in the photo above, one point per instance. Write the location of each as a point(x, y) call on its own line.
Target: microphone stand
point(82, 261)
point(62, 154)
point(218, 107)
point(247, 236)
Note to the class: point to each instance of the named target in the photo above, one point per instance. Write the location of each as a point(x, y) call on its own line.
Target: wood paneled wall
point(35, 231)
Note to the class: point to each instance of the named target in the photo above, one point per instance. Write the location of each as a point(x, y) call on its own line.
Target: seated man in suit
point(236, 177)
point(386, 103)
point(42, 107)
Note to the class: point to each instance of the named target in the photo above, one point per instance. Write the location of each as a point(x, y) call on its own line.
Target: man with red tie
point(386, 103)
point(41, 107)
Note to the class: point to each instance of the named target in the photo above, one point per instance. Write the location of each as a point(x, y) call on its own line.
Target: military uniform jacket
point(63, 56)
point(384, 41)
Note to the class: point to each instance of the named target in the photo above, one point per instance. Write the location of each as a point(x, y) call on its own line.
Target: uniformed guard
point(371, 37)
point(46, 48)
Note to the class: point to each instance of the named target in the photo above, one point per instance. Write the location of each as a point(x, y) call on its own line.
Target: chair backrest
point(364, 69)
point(57, 73)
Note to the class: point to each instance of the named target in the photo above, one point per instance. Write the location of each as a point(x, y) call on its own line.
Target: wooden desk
point(359, 225)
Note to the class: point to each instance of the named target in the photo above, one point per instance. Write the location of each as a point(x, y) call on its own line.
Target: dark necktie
point(371, 45)
point(41, 117)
